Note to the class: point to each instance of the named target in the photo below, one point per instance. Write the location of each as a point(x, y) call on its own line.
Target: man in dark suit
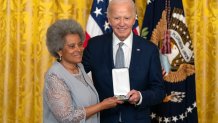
point(141, 57)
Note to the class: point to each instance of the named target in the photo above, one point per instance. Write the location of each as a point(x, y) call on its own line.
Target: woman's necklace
point(80, 77)
point(73, 69)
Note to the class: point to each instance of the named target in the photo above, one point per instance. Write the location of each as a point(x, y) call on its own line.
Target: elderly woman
point(69, 94)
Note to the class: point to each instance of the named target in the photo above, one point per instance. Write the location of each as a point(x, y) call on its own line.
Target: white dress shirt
point(127, 50)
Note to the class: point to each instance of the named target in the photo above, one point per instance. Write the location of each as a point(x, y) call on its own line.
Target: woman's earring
point(59, 59)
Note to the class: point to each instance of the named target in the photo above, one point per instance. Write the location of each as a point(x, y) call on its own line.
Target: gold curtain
point(202, 20)
point(24, 58)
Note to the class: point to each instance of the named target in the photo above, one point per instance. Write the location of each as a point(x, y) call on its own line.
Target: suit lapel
point(108, 51)
point(87, 79)
point(136, 53)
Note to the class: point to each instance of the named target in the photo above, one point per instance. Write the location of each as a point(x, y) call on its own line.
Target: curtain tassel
point(166, 46)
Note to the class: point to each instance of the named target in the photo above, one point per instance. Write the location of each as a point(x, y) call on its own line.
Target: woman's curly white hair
point(56, 33)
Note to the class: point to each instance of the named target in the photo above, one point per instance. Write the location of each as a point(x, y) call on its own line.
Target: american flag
point(97, 23)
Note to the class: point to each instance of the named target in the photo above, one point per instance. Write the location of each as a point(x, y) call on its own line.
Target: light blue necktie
point(119, 62)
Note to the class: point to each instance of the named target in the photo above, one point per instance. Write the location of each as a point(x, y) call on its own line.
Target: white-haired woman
point(69, 94)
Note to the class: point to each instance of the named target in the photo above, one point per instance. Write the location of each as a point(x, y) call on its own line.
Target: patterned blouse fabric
point(65, 96)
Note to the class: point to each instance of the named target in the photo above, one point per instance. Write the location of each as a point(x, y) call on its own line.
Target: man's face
point(121, 19)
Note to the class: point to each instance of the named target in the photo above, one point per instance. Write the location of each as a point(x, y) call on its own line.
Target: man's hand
point(134, 96)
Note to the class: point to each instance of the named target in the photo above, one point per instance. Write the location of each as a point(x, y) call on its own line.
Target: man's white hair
point(111, 2)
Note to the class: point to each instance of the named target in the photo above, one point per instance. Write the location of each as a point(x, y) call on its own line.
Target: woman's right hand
point(105, 104)
point(110, 102)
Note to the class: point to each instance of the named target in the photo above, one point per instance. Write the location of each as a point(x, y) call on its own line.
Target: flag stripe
point(92, 28)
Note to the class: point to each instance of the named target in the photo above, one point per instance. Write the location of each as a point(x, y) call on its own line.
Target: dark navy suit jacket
point(144, 71)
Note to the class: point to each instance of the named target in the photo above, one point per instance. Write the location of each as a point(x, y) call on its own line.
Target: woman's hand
point(110, 103)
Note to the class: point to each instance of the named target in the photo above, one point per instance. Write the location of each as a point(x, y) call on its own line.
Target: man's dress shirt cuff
point(140, 100)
